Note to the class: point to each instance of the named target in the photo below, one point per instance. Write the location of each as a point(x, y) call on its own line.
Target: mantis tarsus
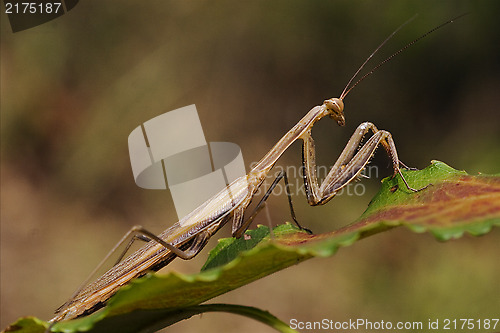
point(187, 237)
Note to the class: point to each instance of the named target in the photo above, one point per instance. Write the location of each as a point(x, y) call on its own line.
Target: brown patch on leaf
point(448, 203)
point(297, 238)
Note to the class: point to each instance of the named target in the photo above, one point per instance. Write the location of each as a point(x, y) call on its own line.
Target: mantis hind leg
point(132, 240)
point(199, 241)
point(138, 232)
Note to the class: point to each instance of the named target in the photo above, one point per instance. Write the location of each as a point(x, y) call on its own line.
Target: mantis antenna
point(347, 89)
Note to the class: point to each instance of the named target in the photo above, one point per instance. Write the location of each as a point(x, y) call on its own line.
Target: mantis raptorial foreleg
point(349, 165)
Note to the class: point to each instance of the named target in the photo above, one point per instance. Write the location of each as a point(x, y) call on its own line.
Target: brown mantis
point(187, 237)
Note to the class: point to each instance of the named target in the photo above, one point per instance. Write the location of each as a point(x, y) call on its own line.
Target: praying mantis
point(187, 237)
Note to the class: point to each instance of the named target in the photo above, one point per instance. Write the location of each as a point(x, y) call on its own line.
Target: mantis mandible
point(187, 237)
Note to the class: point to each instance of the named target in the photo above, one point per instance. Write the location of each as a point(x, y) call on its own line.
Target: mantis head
point(335, 108)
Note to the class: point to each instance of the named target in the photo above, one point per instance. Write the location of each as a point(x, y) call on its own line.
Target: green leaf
point(27, 325)
point(153, 320)
point(452, 204)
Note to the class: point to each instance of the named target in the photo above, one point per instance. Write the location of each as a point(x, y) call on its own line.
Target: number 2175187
point(471, 324)
point(32, 7)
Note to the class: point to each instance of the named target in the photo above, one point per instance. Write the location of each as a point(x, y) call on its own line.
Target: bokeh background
point(74, 88)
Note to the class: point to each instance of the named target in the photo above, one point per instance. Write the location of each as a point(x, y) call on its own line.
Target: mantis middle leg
point(241, 225)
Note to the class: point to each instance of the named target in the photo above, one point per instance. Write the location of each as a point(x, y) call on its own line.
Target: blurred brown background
point(74, 88)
